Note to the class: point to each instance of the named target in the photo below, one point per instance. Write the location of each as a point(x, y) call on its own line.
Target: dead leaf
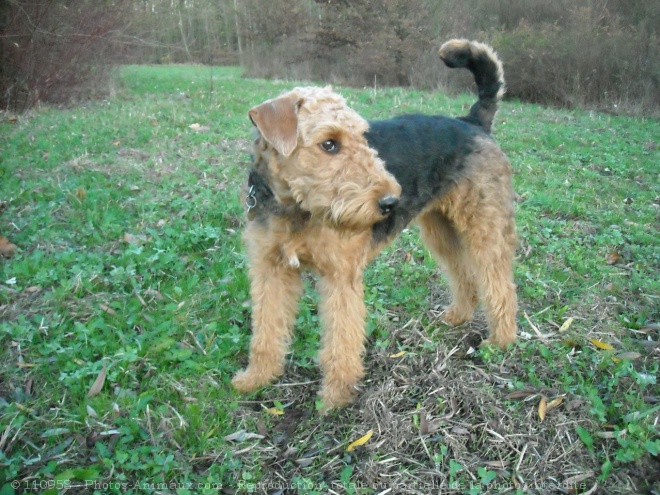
point(566, 324)
point(198, 127)
point(242, 436)
point(609, 434)
point(459, 430)
point(107, 309)
point(574, 404)
point(613, 258)
point(629, 355)
point(398, 354)
point(554, 403)
point(262, 429)
point(274, 411)
point(601, 345)
point(98, 383)
point(574, 480)
point(289, 452)
point(542, 407)
point(647, 329)
point(7, 249)
point(520, 394)
point(423, 424)
point(360, 441)
point(54, 432)
point(135, 240)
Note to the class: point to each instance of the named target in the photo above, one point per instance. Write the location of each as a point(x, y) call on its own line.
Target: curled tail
point(486, 67)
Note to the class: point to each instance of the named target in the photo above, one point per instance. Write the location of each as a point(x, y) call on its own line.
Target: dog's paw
point(456, 316)
point(502, 342)
point(336, 397)
point(246, 381)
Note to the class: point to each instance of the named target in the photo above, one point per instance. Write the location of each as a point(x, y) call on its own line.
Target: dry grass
point(445, 417)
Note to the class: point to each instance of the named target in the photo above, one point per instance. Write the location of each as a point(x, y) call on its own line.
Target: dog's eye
point(330, 146)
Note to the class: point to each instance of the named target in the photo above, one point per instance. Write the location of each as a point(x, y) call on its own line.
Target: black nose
point(387, 204)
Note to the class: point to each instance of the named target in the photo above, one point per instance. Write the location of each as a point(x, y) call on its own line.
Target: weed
point(130, 273)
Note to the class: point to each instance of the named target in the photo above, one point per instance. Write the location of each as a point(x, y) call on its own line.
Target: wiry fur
point(331, 209)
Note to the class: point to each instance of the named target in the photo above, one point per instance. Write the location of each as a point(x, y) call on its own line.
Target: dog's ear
point(277, 120)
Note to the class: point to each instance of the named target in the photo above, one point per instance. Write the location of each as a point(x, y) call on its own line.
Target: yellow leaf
point(98, 383)
point(554, 403)
point(360, 441)
point(601, 345)
point(398, 354)
point(22, 408)
point(542, 408)
point(566, 324)
point(274, 411)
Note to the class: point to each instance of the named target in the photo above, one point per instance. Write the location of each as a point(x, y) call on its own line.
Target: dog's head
point(319, 157)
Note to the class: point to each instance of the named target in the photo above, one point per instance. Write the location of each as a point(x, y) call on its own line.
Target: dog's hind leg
point(447, 247)
point(493, 262)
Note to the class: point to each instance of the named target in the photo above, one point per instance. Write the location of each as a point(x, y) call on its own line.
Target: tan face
point(323, 159)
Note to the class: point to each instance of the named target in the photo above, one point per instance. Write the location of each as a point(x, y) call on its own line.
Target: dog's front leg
point(343, 314)
point(275, 289)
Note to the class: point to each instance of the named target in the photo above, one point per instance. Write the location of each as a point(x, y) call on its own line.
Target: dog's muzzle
point(387, 204)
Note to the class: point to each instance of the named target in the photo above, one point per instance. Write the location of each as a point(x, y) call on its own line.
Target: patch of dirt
point(440, 420)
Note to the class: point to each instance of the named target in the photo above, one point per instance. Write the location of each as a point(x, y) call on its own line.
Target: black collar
point(258, 191)
point(262, 202)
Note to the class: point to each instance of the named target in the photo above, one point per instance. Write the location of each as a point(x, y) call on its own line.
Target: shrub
point(54, 50)
point(603, 54)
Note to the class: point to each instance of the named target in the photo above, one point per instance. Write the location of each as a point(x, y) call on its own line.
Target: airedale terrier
point(329, 190)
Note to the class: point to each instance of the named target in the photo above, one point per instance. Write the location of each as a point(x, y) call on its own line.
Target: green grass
point(129, 259)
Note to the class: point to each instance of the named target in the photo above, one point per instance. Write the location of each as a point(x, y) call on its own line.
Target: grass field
point(124, 312)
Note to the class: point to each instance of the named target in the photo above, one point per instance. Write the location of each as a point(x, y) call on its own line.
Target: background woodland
point(601, 54)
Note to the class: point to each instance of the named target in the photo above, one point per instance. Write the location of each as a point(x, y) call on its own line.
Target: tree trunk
point(183, 34)
point(238, 31)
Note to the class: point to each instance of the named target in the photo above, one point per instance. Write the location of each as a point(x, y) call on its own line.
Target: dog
point(328, 190)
